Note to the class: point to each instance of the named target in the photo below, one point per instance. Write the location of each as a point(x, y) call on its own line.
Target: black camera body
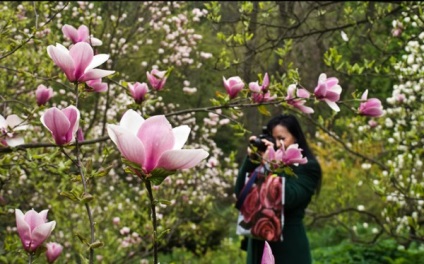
point(259, 144)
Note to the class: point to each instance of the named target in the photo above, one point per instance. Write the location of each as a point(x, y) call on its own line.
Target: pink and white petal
point(56, 121)
point(157, 137)
point(304, 109)
point(33, 219)
point(3, 123)
point(181, 159)
point(336, 89)
point(23, 228)
point(364, 95)
point(131, 121)
point(181, 134)
point(94, 41)
point(128, 144)
point(97, 60)
point(83, 33)
point(94, 74)
point(43, 214)
point(70, 32)
point(303, 93)
point(41, 233)
point(267, 256)
point(15, 141)
point(332, 105)
point(82, 55)
point(331, 81)
point(13, 121)
point(73, 115)
point(62, 59)
point(322, 77)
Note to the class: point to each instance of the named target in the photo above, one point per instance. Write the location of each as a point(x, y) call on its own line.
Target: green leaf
point(70, 195)
point(96, 244)
point(82, 239)
point(164, 232)
point(162, 201)
point(159, 174)
point(262, 109)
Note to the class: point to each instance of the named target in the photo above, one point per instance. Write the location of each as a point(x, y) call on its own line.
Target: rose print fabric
point(261, 214)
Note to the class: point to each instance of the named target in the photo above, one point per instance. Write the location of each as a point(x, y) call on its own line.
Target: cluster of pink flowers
point(327, 90)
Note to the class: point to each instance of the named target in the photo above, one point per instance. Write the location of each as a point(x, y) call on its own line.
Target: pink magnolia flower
point(33, 228)
point(233, 86)
point(290, 156)
point(260, 93)
point(53, 251)
point(8, 129)
point(43, 94)
point(267, 256)
point(328, 90)
point(97, 85)
point(80, 35)
point(78, 62)
point(296, 100)
point(63, 124)
point(153, 143)
point(157, 79)
point(370, 107)
point(138, 91)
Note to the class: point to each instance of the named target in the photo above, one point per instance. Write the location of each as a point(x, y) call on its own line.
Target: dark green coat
point(294, 249)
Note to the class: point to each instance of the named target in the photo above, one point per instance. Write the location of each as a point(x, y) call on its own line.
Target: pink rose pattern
point(263, 207)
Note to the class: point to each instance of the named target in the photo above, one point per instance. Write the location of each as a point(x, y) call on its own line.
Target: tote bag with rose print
point(261, 206)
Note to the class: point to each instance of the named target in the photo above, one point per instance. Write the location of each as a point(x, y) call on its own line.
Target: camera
point(259, 144)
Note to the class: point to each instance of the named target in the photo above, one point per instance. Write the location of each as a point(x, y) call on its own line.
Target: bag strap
point(246, 189)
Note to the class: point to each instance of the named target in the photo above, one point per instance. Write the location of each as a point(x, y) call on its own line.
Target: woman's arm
point(299, 190)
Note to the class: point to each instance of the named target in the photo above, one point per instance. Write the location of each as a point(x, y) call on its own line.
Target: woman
point(294, 249)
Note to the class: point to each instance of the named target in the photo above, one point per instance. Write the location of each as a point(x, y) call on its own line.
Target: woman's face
point(281, 133)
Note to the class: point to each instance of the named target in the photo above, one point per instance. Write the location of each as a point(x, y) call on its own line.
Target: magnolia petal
point(128, 144)
point(303, 93)
point(181, 134)
point(33, 219)
point(94, 41)
point(15, 141)
point(322, 77)
point(3, 123)
point(43, 214)
point(83, 33)
point(267, 256)
point(157, 136)
point(265, 82)
point(364, 95)
point(62, 59)
point(73, 115)
point(304, 109)
point(254, 87)
point(13, 121)
point(41, 233)
point(98, 60)
point(23, 228)
point(332, 105)
point(181, 159)
point(57, 122)
point(331, 82)
point(70, 32)
point(82, 55)
point(132, 121)
point(94, 74)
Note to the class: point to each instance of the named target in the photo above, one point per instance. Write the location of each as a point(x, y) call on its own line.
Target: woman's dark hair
point(290, 122)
